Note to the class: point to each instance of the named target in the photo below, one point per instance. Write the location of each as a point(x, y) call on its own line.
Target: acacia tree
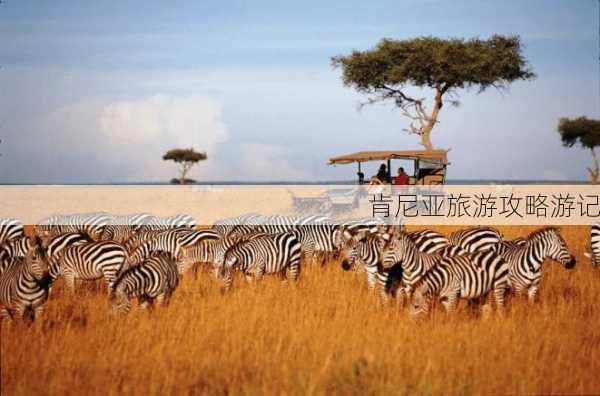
point(185, 158)
point(442, 65)
point(586, 132)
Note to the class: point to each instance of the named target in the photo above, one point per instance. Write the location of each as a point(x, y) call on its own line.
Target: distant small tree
point(585, 132)
point(185, 158)
point(442, 65)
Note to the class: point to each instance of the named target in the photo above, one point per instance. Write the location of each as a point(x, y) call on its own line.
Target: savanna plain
point(324, 335)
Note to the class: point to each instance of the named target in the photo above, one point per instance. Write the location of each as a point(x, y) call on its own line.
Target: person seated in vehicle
point(402, 178)
point(381, 177)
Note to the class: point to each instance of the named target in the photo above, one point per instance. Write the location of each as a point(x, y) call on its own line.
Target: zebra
point(90, 261)
point(169, 241)
point(428, 241)
point(123, 227)
point(170, 222)
point(16, 247)
point(213, 250)
point(155, 279)
point(475, 239)
point(24, 285)
point(594, 253)
point(91, 223)
point(10, 229)
point(58, 245)
point(362, 250)
point(367, 252)
point(525, 260)
point(224, 226)
point(483, 274)
point(402, 251)
point(268, 254)
point(193, 237)
point(509, 245)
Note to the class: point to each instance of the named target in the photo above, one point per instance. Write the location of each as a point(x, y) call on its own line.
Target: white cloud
point(143, 130)
point(267, 162)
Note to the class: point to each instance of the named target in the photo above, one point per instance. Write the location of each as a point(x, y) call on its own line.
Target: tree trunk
point(595, 169)
point(426, 132)
point(185, 167)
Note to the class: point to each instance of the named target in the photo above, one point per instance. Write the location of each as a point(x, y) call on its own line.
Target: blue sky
point(96, 91)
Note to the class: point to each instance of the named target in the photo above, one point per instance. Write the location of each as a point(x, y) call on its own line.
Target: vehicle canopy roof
point(437, 156)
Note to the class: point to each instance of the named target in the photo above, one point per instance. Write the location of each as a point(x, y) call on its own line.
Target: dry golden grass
point(326, 334)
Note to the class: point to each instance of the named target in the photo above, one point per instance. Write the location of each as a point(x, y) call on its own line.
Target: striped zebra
point(89, 261)
point(58, 245)
point(594, 253)
point(525, 260)
point(169, 241)
point(476, 239)
point(269, 254)
point(170, 222)
point(362, 251)
point(123, 227)
point(24, 285)
point(401, 251)
point(480, 275)
point(224, 226)
point(10, 229)
point(509, 245)
point(92, 224)
point(428, 241)
point(213, 251)
point(17, 247)
point(367, 252)
point(155, 279)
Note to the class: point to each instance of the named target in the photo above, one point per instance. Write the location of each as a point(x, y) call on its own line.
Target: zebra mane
point(542, 231)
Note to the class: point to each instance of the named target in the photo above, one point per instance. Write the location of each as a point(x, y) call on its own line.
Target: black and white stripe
point(594, 254)
point(268, 254)
point(92, 224)
point(482, 274)
point(10, 229)
point(155, 279)
point(169, 241)
point(403, 257)
point(476, 239)
point(525, 260)
point(90, 261)
point(24, 285)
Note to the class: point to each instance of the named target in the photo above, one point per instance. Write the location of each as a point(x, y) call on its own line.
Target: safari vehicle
point(429, 165)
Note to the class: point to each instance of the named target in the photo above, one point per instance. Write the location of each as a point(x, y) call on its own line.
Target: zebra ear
point(359, 236)
point(347, 235)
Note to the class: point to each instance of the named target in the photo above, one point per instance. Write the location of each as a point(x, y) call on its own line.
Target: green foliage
point(186, 158)
point(184, 155)
point(435, 63)
point(580, 130)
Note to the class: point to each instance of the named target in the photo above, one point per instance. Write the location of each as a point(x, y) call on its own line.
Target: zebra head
point(346, 244)
point(397, 250)
point(556, 248)
point(37, 261)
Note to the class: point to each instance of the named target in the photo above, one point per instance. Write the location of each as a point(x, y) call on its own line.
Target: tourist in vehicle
point(402, 178)
point(382, 174)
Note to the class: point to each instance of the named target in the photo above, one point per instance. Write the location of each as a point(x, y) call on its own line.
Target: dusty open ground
point(324, 335)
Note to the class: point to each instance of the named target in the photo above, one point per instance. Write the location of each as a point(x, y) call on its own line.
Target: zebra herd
point(141, 256)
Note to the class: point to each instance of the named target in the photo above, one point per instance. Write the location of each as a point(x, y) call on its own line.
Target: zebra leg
point(5, 313)
point(69, 280)
point(294, 271)
point(449, 299)
point(37, 311)
point(486, 307)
